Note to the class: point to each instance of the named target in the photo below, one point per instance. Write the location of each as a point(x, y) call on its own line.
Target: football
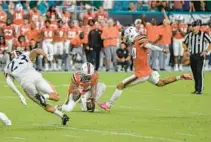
point(90, 106)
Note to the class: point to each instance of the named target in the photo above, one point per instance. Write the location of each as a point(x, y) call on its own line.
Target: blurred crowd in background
point(91, 35)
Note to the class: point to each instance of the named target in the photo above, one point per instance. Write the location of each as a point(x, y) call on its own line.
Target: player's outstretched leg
point(132, 80)
point(117, 93)
point(5, 119)
point(168, 80)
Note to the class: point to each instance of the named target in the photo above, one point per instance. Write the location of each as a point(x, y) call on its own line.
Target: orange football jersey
point(140, 57)
point(78, 80)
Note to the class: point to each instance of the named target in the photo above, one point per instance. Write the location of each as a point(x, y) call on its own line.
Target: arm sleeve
point(12, 86)
point(153, 47)
point(207, 37)
point(186, 39)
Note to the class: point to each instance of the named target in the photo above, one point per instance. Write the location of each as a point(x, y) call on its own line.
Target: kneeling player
point(142, 70)
point(84, 87)
point(32, 82)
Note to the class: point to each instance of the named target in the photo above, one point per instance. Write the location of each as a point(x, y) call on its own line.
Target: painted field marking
point(111, 133)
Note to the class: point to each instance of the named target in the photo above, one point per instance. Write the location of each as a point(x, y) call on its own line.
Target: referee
point(196, 43)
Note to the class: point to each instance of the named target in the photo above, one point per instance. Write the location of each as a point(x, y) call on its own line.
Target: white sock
point(176, 65)
point(59, 113)
point(46, 65)
point(54, 65)
point(68, 107)
point(115, 96)
point(101, 87)
point(46, 96)
point(59, 63)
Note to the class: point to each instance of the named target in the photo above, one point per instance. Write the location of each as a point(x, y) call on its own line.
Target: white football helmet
point(130, 34)
point(87, 69)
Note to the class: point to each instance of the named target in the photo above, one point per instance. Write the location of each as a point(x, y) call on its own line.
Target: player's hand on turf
point(165, 51)
point(23, 100)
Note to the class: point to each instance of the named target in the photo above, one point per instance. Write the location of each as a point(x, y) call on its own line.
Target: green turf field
point(144, 113)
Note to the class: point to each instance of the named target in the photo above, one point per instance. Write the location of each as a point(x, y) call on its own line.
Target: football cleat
point(65, 119)
point(106, 106)
point(187, 77)
point(41, 100)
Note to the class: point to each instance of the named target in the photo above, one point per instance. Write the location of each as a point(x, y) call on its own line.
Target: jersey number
point(21, 61)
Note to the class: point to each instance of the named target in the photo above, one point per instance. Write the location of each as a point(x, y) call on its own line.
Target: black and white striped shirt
point(197, 43)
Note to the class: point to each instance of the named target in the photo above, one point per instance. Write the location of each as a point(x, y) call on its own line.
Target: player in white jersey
point(32, 82)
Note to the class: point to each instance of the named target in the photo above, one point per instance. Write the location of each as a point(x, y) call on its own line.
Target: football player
point(84, 87)
point(142, 70)
point(32, 82)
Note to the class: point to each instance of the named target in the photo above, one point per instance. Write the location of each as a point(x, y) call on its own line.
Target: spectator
point(186, 6)
point(178, 5)
point(52, 14)
point(59, 38)
point(42, 6)
point(109, 36)
point(153, 5)
point(34, 15)
point(18, 16)
point(25, 27)
point(71, 33)
point(95, 45)
point(3, 17)
point(197, 6)
point(33, 33)
point(179, 30)
point(164, 5)
point(65, 15)
point(154, 36)
point(166, 33)
point(21, 44)
point(139, 5)
point(3, 4)
point(122, 56)
point(9, 33)
point(89, 15)
point(81, 27)
point(4, 56)
point(78, 44)
point(47, 35)
point(132, 7)
point(101, 14)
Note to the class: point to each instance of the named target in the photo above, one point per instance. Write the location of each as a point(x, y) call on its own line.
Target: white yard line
point(16, 138)
point(196, 113)
point(67, 135)
point(112, 133)
point(137, 107)
point(183, 134)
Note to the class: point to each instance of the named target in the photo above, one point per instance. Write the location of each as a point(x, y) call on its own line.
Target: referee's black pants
point(197, 65)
